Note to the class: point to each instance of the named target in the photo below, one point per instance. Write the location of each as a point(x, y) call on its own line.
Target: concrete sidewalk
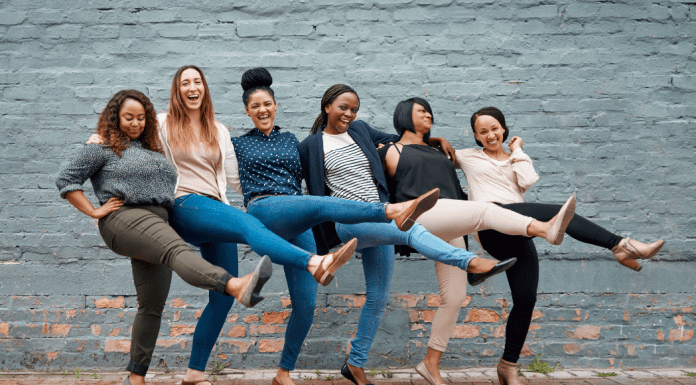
point(477, 376)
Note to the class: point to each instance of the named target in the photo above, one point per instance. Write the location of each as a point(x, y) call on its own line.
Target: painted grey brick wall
point(603, 94)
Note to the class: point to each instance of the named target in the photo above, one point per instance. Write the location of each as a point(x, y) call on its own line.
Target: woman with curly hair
point(135, 187)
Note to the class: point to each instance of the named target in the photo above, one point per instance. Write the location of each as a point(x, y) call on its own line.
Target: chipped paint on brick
point(407, 300)
point(179, 329)
point(274, 317)
point(105, 303)
point(178, 303)
point(270, 346)
point(481, 315)
point(465, 331)
point(238, 331)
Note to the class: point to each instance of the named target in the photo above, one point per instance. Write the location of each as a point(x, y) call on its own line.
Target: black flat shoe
point(477, 279)
point(345, 372)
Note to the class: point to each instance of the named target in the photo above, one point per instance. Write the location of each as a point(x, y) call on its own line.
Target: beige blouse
point(198, 169)
point(490, 180)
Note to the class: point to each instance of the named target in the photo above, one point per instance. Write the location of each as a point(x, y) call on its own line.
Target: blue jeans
point(200, 219)
point(292, 217)
point(376, 240)
point(216, 228)
point(215, 313)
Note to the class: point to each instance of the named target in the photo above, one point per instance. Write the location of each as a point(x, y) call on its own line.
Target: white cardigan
point(227, 174)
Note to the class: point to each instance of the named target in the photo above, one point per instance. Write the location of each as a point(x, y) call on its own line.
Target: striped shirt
point(347, 171)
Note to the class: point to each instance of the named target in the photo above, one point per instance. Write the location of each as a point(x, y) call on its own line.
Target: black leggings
point(524, 276)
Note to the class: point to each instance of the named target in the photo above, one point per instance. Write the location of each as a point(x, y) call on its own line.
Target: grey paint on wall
point(603, 95)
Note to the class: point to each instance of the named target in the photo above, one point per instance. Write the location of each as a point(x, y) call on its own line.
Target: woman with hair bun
point(270, 174)
point(135, 186)
point(201, 153)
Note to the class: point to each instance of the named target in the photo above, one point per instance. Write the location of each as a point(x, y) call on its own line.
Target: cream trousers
point(450, 220)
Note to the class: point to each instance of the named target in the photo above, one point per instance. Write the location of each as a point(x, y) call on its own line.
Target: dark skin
point(344, 109)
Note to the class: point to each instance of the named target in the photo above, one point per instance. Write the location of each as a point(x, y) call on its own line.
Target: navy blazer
point(312, 157)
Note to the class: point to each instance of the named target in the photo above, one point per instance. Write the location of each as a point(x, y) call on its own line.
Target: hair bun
point(256, 77)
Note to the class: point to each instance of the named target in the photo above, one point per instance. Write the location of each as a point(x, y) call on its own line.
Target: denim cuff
point(222, 284)
point(138, 369)
point(384, 213)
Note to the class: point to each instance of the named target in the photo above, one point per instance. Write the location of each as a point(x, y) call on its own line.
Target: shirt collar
point(257, 132)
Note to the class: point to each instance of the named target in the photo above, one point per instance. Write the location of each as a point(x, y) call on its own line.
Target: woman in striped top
point(341, 152)
point(270, 176)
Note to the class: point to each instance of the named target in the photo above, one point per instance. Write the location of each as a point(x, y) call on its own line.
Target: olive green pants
point(155, 249)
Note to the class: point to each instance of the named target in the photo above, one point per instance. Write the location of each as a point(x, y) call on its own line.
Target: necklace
point(504, 155)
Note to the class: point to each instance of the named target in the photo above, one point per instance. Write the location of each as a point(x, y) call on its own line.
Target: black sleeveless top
point(421, 169)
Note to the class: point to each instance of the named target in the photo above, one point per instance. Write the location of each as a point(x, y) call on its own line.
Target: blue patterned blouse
point(139, 177)
point(268, 164)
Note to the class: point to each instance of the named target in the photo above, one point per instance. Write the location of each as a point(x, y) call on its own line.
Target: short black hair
point(403, 116)
point(256, 79)
point(495, 113)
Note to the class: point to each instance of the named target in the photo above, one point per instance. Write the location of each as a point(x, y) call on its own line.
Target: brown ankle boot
point(628, 250)
point(507, 373)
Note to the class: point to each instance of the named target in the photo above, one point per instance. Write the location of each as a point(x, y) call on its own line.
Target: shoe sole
point(341, 257)
point(262, 273)
point(568, 210)
point(484, 276)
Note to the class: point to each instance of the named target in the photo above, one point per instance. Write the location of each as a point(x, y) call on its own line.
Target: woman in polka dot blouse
point(270, 174)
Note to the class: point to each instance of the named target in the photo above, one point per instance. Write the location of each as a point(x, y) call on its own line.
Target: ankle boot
point(507, 373)
point(628, 250)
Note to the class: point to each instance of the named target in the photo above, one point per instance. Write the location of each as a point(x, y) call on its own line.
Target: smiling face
point(132, 118)
point(422, 120)
point(341, 112)
point(261, 109)
point(191, 89)
point(489, 132)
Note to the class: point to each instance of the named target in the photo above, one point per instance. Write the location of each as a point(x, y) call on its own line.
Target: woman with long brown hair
point(202, 153)
point(135, 187)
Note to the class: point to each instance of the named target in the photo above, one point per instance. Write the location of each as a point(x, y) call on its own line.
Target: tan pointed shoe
point(324, 275)
point(418, 206)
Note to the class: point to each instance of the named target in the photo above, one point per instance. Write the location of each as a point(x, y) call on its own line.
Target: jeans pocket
point(180, 201)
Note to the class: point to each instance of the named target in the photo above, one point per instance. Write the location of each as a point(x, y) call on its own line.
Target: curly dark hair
point(329, 96)
point(108, 126)
point(495, 113)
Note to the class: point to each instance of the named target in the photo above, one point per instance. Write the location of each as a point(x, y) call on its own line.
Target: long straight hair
point(181, 136)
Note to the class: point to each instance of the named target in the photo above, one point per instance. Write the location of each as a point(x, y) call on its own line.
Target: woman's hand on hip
point(109, 207)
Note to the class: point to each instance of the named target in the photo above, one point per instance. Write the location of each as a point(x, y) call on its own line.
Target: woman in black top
point(413, 120)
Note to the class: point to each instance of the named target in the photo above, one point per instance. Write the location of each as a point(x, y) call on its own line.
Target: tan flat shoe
point(628, 250)
point(423, 371)
point(325, 275)
point(418, 206)
point(555, 235)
